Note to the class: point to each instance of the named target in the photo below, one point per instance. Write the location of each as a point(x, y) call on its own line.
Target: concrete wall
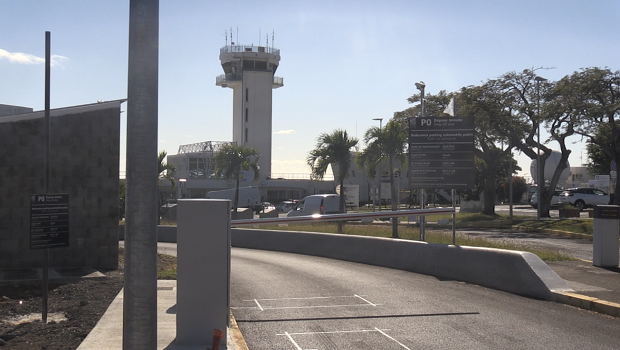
point(521, 273)
point(516, 272)
point(84, 162)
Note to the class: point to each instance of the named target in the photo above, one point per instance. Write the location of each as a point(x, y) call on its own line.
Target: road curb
point(235, 334)
point(554, 232)
point(587, 303)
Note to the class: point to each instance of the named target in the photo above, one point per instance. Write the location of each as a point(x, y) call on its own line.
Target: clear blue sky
point(343, 62)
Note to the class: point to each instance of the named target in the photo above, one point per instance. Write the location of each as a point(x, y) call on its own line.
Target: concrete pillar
point(203, 270)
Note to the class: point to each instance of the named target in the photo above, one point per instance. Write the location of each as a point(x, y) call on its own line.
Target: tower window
point(246, 114)
point(246, 134)
point(247, 92)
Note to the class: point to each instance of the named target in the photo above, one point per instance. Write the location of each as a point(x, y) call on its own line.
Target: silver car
point(555, 199)
point(584, 197)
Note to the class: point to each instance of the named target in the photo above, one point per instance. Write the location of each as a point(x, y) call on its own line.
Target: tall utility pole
point(421, 86)
point(379, 171)
point(539, 171)
point(140, 293)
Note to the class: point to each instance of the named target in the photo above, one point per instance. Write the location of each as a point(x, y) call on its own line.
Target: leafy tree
point(165, 172)
point(435, 106)
point(599, 162)
point(520, 95)
point(493, 147)
point(519, 188)
point(122, 190)
point(333, 149)
point(386, 144)
point(592, 98)
point(230, 161)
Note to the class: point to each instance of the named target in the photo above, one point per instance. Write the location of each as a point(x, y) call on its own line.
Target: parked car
point(317, 204)
point(286, 206)
point(555, 199)
point(584, 197)
point(268, 206)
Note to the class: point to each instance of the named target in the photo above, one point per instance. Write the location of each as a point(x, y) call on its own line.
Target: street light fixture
point(380, 174)
point(539, 172)
point(420, 86)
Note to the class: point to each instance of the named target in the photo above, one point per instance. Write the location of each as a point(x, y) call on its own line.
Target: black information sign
point(49, 221)
point(441, 152)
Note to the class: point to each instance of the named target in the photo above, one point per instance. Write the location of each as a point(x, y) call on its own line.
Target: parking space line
point(293, 341)
point(258, 304)
point(307, 298)
point(375, 330)
point(389, 337)
point(336, 332)
point(366, 300)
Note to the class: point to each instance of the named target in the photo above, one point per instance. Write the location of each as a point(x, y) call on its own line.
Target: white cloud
point(284, 132)
point(25, 58)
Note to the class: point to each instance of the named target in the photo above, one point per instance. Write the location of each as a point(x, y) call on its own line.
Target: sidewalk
point(596, 288)
point(107, 334)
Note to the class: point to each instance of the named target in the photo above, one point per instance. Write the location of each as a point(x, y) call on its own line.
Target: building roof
point(63, 111)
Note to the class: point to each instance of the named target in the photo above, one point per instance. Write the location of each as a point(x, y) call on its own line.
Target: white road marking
point(399, 343)
point(260, 303)
point(365, 300)
point(260, 307)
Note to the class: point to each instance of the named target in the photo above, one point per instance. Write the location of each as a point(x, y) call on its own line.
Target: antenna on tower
point(259, 34)
point(273, 34)
point(231, 42)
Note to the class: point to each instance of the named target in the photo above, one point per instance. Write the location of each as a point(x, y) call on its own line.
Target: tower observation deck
point(249, 71)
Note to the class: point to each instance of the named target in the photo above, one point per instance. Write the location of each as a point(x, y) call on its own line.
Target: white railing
point(341, 217)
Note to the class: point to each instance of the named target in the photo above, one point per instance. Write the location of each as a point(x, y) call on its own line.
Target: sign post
point(441, 153)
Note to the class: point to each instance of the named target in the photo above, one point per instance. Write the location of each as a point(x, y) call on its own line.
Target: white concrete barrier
point(516, 272)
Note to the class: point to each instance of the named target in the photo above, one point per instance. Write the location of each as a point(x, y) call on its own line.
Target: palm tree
point(230, 161)
point(333, 149)
point(165, 172)
point(382, 144)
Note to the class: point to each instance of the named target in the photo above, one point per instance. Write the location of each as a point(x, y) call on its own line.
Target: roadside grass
point(440, 235)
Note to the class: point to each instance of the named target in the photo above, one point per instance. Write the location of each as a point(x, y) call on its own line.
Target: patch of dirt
point(73, 310)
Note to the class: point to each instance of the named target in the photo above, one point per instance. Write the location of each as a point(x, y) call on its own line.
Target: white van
point(317, 204)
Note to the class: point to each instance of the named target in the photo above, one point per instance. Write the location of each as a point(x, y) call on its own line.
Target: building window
point(246, 134)
point(247, 92)
point(246, 114)
point(198, 168)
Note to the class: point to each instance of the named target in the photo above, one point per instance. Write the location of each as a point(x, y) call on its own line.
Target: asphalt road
point(289, 301)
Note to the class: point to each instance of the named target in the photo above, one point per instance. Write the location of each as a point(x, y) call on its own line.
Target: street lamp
point(539, 171)
point(380, 174)
point(420, 86)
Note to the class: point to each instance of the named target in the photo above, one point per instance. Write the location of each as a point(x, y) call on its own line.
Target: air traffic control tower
point(249, 71)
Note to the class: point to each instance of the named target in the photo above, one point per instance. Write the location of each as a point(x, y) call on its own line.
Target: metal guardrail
point(341, 217)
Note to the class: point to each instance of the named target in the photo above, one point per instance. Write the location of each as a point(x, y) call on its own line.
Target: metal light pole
point(379, 171)
point(539, 170)
point(140, 292)
point(420, 86)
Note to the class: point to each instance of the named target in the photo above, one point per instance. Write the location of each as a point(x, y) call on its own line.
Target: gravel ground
point(73, 310)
